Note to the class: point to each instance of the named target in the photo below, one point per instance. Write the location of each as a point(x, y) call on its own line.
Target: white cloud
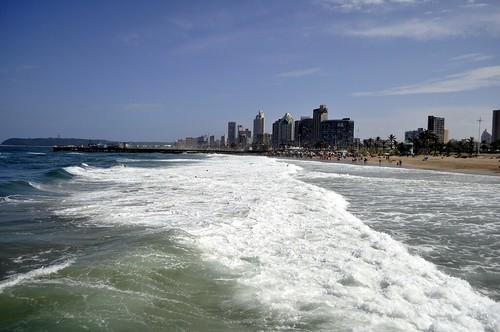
point(428, 28)
point(465, 81)
point(363, 5)
point(299, 72)
point(474, 4)
point(472, 57)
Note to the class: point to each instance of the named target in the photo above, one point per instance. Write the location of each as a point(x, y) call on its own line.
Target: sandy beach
point(483, 164)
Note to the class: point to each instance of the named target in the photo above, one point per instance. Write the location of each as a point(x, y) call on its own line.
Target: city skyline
point(161, 71)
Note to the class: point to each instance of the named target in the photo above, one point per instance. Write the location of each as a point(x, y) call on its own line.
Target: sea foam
point(296, 249)
point(37, 273)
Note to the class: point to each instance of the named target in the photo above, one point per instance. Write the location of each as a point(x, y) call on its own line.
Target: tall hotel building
point(231, 133)
point(436, 126)
point(258, 128)
point(283, 131)
point(495, 130)
point(319, 115)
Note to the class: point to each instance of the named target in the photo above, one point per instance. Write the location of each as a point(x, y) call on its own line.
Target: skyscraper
point(304, 132)
point(486, 137)
point(495, 130)
point(436, 126)
point(244, 136)
point(231, 133)
point(338, 133)
point(258, 128)
point(319, 114)
point(283, 131)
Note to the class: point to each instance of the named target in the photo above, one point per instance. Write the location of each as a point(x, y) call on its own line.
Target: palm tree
point(392, 140)
point(427, 139)
point(470, 145)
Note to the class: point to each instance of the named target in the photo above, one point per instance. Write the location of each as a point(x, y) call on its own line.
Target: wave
point(296, 249)
point(36, 153)
point(58, 173)
point(37, 273)
point(179, 160)
point(19, 187)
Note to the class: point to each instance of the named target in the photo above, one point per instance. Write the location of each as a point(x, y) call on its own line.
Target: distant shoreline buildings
point(319, 132)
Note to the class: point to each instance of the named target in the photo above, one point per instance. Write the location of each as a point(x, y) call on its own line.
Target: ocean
point(156, 242)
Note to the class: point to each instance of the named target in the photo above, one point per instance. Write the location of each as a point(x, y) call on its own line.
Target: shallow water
point(191, 242)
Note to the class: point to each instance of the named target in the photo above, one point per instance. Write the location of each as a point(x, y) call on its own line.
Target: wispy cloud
point(143, 107)
point(469, 80)
point(363, 5)
point(472, 57)
point(429, 28)
point(299, 72)
point(474, 4)
point(134, 39)
point(181, 23)
point(215, 41)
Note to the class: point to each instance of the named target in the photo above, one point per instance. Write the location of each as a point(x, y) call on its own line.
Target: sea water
point(215, 242)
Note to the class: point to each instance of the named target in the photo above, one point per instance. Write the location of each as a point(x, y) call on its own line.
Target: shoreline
point(482, 165)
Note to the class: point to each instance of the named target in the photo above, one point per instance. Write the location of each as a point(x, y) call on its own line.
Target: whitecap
point(292, 244)
point(40, 272)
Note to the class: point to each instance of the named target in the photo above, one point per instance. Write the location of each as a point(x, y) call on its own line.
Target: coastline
point(482, 165)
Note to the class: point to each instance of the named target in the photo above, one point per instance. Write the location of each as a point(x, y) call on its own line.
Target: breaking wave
point(295, 248)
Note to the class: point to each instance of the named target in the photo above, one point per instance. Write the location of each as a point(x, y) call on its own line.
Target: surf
point(294, 246)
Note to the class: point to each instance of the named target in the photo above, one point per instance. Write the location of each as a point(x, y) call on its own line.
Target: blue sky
point(161, 70)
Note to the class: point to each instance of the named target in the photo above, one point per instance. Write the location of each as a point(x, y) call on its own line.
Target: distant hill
point(69, 141)
point(54, 141)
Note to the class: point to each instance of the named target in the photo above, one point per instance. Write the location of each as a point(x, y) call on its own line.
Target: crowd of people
point(344, 156)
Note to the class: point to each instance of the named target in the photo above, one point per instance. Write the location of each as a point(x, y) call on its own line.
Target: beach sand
point(483, 164)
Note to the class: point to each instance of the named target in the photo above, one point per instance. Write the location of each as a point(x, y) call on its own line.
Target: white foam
point(295, 247)
point(40, 272)
point(176, 160)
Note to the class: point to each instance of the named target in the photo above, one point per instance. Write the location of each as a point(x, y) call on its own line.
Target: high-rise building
point(211, 141)
point(338, 133)
point(202, 141)
point(191, 142)
point(495, 130)
point(304, 130)
point(223, 141)
point(283, 131)
point(231, 134)
point(244, 136)
point(258, 128)
point(486, 137)
point(436, 126)
point(319, 115)
point(411, 135)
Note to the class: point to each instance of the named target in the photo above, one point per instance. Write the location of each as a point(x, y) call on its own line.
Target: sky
point(163, 70)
